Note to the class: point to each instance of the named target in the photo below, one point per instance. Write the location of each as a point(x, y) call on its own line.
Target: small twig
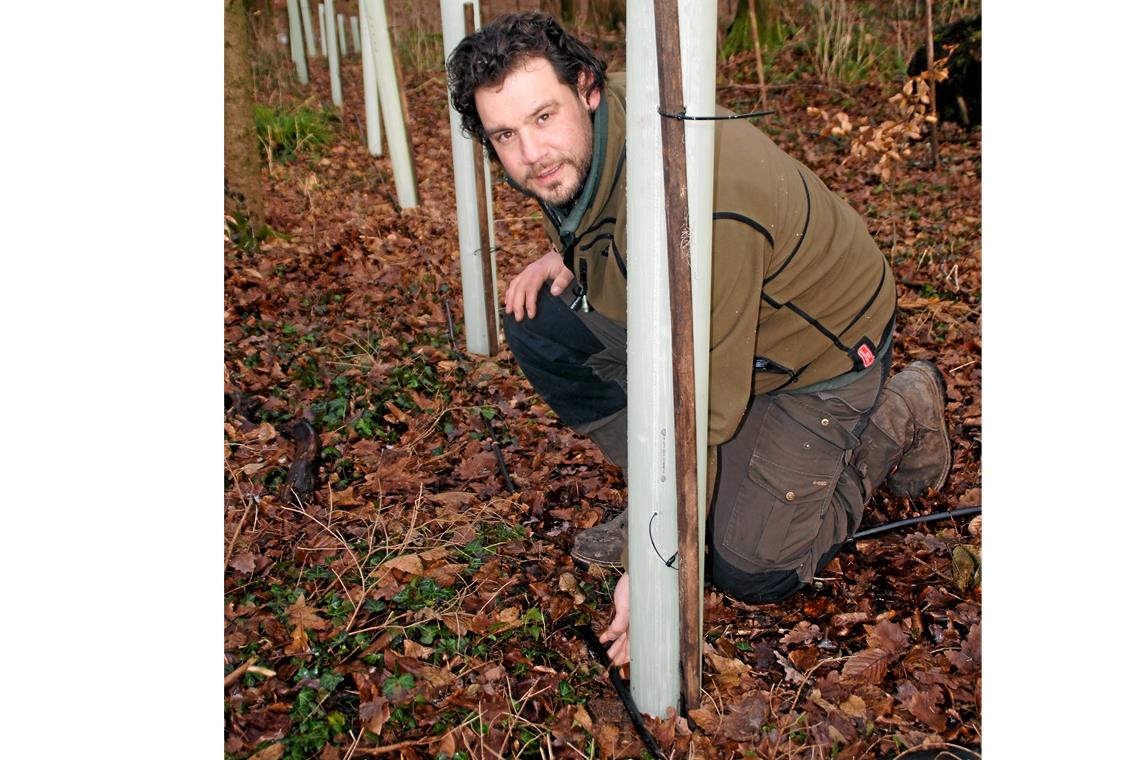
point(387, 748)
point(234, 537)
point(355, 741)
point(237, 672)
point(936, 745)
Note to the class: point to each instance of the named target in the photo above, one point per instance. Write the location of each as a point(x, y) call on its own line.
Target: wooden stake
point(681, 311)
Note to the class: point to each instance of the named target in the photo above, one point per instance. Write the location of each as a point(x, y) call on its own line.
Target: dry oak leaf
point(803, 633)
point(887, 636)
point(374, 714)
point(303, 616)
point(924, 705)
point(725, 665)
point(244, 563)
point(407, 563)
point(706, 720)
point(479, 466)
point(272, 752)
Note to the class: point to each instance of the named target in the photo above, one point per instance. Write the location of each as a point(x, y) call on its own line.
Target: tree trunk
point(930, 67)
point(242, 162)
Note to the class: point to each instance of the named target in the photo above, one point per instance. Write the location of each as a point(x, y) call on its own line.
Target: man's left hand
point(618, 632)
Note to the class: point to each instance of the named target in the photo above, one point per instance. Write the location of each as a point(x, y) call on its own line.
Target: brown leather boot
point(925, 461)
point(604, 544)
point(905, 443)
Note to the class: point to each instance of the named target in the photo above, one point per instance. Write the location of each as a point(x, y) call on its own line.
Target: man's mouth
point(546, 174)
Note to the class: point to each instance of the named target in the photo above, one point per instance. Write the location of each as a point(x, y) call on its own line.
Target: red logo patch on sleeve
point(866, 355)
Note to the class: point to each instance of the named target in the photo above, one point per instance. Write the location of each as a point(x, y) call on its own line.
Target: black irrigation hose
point(886, 527)
point(499, 455)
point(586, 633)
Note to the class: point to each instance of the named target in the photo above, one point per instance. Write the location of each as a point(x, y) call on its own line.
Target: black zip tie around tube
point(682, 116)
point(668, 562)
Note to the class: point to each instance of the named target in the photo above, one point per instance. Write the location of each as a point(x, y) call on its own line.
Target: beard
point(575, 169)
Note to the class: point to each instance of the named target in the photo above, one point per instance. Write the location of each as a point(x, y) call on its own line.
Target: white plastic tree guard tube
point(340, 33)
point(475, 321)
point(372, 124)
point(296, 43)
point(334, 56)
point(323, 29)
point(307, 25)
point(354, 24)
point(655, 672)
point(391, 109)
point(654, 595)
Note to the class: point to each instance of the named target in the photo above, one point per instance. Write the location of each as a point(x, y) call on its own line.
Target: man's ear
point(591, 97)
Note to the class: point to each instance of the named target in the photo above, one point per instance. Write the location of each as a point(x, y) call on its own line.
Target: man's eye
point(503, 136)
point(543, 117)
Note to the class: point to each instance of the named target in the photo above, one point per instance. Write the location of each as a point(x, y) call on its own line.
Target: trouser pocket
point(775, 500)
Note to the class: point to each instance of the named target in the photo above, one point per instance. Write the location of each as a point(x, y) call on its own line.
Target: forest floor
point(423, 602)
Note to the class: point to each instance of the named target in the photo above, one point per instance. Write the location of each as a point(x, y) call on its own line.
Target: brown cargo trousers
point(790, 485)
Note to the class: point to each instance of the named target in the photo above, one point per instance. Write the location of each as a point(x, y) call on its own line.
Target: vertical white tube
point(655, 670)
point(307, 25)
point(296, 43)
point(489, 196)
point(340, 33)
point(324, 29)
point(354, 24)
point(697, 20)
point(334, 55)
point(391, 109)
point(466, 202)
point(371, 94)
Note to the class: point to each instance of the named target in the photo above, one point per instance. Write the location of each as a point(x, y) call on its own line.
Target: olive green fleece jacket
point(796, 277)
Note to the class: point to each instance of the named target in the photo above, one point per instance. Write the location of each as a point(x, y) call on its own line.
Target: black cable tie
point(682, 116)
point(668, 562)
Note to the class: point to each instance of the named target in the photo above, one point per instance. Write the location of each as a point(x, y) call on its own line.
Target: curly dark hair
point(485, 58)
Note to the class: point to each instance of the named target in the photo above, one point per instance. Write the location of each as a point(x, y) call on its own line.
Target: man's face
point(540, 129)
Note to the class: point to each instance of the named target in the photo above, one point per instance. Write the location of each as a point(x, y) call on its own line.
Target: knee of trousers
point(755, 587)
point(761, 587)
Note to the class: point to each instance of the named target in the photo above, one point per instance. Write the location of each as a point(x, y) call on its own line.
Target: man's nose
point(530, 148)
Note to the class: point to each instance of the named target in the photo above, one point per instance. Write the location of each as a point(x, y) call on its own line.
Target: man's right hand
point(522, 292)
